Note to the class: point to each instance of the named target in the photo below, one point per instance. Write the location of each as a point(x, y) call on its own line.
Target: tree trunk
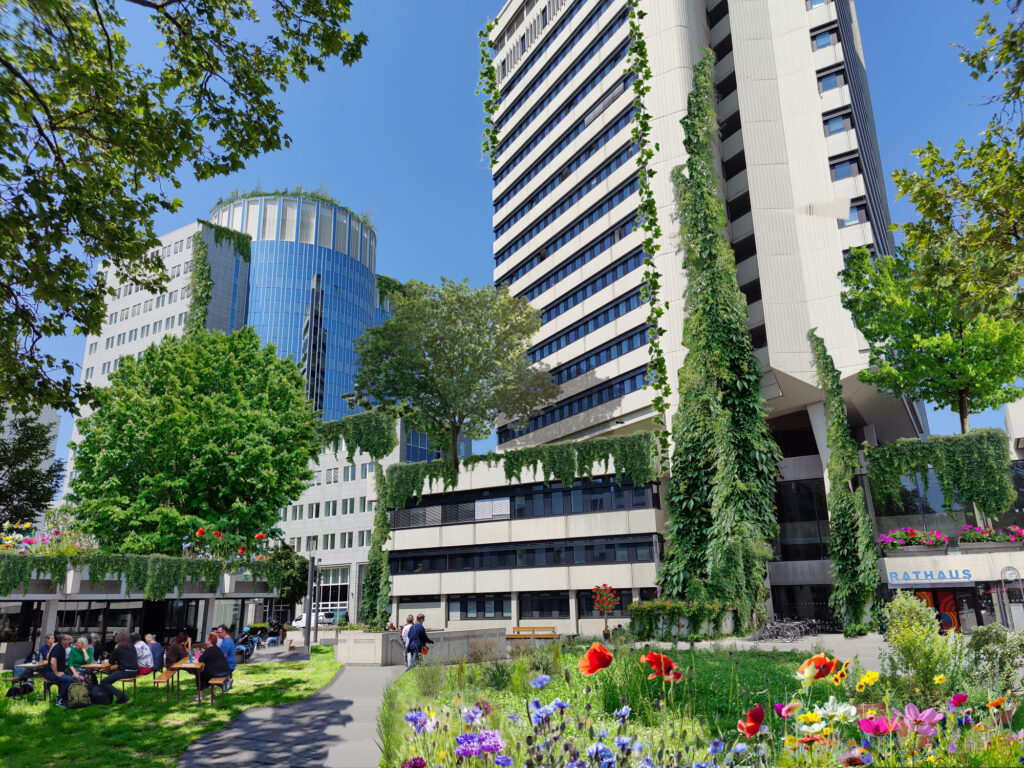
point(455, 447)
point(965, 416)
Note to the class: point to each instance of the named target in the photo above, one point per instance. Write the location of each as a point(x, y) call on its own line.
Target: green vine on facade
point(156, 576)
point(851, 545)
point(565, 462)
point(488, 86)
point(201, 281)
point(388, 287)
point(656, 619)
point(375, 609)
point(373, 432)
point(976, 464)
point(647, 220)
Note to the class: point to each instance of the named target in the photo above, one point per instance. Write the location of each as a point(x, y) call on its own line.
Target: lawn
point(148, 732)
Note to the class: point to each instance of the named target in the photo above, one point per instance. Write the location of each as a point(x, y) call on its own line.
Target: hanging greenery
point(156, 576)
point(851, 545)
point(721, 498)
point(388, 286)
point(647, 220)
point(373, 432)
point(201, 283)
point(375, 609)
point(488, 86)
point(321, 195)
point(976, 464)
point(655, 619)
point(564, 462)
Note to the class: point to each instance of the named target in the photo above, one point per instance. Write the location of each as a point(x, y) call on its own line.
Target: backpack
point(19, 689)
point(78, 695)
point(100, 696)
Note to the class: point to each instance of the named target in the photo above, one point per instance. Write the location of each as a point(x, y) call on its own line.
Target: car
point(327, 617)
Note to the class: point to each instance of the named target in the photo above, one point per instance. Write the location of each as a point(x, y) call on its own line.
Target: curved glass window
point(289, 216)
point(269, 220)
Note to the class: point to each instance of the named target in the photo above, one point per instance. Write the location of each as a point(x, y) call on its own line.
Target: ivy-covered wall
point(201, 283)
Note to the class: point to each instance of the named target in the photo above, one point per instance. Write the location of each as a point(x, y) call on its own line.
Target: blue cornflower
point(541, 714)
point(503, 760)
point(472, 716)
point(866, 743)
point(646, 763)
point(534, 704)
point(623, 743)
point(416, 719)
point(739, 749)
point(716, 746)
point(603, 734)
point(623, 713)
point(559, 704)
point(867, 759)
point(600, 751)
point(541, 681)
point(513, 716)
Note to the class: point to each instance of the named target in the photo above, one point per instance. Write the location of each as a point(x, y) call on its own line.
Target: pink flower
point(959, 699)
point(922, 722)
point(29, 541)
point(786, 711)
point(878, 726)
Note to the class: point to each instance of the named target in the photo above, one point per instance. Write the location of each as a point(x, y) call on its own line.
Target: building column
point(574, 613)
point(819, 425)
point(444, 612)
point(515, 609)
point(49, 620)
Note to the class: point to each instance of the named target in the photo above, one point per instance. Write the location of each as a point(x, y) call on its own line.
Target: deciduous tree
point(206, 431)
point(29, 475)
point(453, 357)
point(94, 142)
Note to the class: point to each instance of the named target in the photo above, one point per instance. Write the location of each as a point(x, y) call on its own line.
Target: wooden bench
point(166, 679)
point(216, 682)
point(533, 633)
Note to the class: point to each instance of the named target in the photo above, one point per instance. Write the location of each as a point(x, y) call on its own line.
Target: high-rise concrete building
point(801, 181)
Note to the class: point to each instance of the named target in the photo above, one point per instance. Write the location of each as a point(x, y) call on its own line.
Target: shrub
point(916, 652)
point(430, 678)
point(997, 656)
point(496, 675)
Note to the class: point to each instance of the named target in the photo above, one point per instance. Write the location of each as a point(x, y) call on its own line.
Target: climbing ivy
point(721, 500)
point(851, 545)
point(647, 219)
point(388, 286)
point(976, 464)
point(373, 432)
point(201, 283)
point(488, 86)
point(375, 608)
point(564, 462)
point(156, 576)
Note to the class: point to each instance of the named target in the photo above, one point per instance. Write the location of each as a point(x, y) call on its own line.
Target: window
point(158, 326)
point(188, 243)
point(182, 318)
point(289, 211)
point(307, 216)
point(522, 44)
point(161, 300)
point(815, 3)
point(328, 541)
point(858, 215)
point(824, 39)
point(269, 220)
point(313, 511)
point(311, 543)
point(324, 227)
point(112, 319)
point(543, 17)
point(92, 347)
point(831, 81)
point(133, 334)
point(349, 473)
point(109, 343)
point(349, 538)
point(105, 368)
point(837, 124)
point(147, 305)
point(362, 471)
point(362, 503)
point(169, 322)
point(121, 338)
point(172, 297)
point(88, 373)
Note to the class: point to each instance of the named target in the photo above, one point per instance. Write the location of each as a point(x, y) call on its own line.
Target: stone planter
point(916, 551)
point(978, 547)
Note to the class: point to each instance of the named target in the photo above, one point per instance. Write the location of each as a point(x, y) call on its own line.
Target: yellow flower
point(869, 678)
point(826, 731)
point(442, 755)
point(930, 759)
point(939, 679)
point(809, 717)
point(860, 687)
point(837, 680)
point(791, 741)
point(872, 712)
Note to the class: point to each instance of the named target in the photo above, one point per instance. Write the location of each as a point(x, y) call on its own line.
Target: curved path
point(336, 727)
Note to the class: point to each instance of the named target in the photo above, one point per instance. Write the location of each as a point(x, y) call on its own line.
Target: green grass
point(148, 732)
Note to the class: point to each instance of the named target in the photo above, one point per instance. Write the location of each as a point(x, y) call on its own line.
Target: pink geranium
point(878, 726)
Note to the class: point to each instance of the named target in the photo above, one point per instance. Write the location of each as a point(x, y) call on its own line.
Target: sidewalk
point(334, 728)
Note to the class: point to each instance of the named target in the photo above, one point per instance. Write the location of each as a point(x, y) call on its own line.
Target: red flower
point(824, 665)
point(661, 664)
point(260, 536)
point(752, 725)
point(218, 535)
point(595, 659)
point(259, 557)
point(241, 550)
point(200, 532)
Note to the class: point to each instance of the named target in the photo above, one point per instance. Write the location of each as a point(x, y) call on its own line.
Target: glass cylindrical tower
point(312, 285)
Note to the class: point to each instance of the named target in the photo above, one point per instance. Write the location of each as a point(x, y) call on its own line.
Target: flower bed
point(900, 538)
point(613, 709)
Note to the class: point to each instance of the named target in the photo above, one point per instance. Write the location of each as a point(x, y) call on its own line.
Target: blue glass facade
point(312, 287)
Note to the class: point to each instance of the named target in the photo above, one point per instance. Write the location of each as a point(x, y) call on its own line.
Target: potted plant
point(975, 539)
point(912, 542)
point(605, 600)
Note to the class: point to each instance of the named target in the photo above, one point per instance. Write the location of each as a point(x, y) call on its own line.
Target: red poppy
point(752, 725)
point(660, 663)
point(812, 739)
point(260, 536)
point(241, 550)
point(673, 676)
point(218, 535)
point(595, 659)
point(200, 532)
point(822, 663)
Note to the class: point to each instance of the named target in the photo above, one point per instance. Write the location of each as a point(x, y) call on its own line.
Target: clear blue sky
point(398, 134)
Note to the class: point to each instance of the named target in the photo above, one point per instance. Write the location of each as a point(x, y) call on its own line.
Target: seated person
point(178, 650)
point(227, 645)
point(57, 669)
point(79, 655)
point(157, 650)
point(23, 673)
point(97, 649)
point(215, 664)
point(127, 662)
point(143, 653)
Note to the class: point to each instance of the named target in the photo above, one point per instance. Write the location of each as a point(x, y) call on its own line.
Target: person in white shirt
point(144, 653)
point(405, 640)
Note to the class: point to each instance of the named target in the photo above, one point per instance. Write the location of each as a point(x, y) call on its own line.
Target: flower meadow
point(619, 708)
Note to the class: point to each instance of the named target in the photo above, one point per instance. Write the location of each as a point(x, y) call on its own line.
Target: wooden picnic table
point(194, 666)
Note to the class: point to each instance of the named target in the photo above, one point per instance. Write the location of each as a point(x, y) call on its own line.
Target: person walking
point(409, 621)
point(418, 641)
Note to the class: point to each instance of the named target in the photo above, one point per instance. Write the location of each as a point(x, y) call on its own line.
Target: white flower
point(840, 711)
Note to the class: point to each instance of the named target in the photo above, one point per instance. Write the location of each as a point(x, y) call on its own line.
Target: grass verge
point(36, 734)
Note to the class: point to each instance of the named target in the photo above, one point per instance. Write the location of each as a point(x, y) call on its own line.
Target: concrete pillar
point(444, 612)
point(515, 609)
point(574, 613)
point(819, 425)
point(49, 623)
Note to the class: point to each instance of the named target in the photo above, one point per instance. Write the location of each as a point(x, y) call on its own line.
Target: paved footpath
point(336, 727)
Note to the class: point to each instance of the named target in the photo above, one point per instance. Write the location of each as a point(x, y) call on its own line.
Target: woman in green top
point(78, 656)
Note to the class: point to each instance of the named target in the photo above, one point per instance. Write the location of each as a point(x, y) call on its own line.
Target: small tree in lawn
point(605, 601)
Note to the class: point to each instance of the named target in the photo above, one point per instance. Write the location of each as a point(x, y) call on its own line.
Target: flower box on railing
point(980, 540)
point(910, 542)
point(915, 551)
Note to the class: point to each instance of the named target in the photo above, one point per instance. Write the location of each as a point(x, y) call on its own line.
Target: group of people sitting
point(133, 656)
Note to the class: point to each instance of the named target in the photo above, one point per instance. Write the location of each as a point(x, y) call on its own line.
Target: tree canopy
point(94, 140)
point(928, 341)
point(451, 358)
point(294, 573)
point(29, 475)
point(205, 431)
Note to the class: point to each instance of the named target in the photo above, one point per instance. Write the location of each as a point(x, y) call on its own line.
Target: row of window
point(601, 209)
point(311, 511)
point(538, 52)
point(562, 174)
point(584, 401)
point(596, 319)
point(327, 541)
point(552, 63)
point(148, 305)
point(597, 357)
point(578, 64)
point(524, 555)
point(348, 473)
point(574, 196)
point(537, 605)
point(176, 247)
point(601, 280)
point(126, 337)
point(574, 131)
